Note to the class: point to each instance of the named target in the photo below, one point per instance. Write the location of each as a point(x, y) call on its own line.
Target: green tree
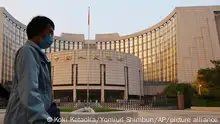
point(209, 78)
point(185, 88)
point(171, 90)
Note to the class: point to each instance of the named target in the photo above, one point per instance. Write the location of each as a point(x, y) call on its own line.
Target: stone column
point(102, 94)
point(126, 88)
point(102, 86)
point(125, 94)
point(74, 94)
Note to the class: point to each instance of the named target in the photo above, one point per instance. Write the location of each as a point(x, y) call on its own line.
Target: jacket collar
point(39, 50)
point(29, 42)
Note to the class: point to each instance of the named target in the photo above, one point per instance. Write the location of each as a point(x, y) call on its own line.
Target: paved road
point(1, 118)
point(161, 117)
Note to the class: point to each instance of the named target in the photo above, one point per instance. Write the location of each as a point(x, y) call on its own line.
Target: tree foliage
point(209, 79)
point(186, 89)
point(173, 89)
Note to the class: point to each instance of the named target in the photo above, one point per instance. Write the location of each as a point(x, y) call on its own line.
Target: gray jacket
point(31, 93)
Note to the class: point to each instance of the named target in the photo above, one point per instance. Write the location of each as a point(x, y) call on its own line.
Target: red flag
point(89, 16)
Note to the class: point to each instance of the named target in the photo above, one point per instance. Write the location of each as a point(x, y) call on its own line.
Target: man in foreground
point(31, 93)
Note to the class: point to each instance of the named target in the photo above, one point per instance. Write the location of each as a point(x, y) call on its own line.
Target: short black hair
point(37, 25)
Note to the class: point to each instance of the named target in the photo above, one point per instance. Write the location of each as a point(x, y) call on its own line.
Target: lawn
point(95, 109)
point(68, 109)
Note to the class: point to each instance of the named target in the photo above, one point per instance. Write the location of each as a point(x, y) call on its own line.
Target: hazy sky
point(107, 16)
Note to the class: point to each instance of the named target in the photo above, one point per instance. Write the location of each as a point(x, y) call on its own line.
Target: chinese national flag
point(89, 16)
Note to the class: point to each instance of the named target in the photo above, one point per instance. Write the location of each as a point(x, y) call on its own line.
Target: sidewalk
point(211, 109)
point(167, 114)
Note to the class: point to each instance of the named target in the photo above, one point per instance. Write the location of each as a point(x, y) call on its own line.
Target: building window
point(62, 45)
point(103, 45)
point(73, 45)
point(108, 46)
point(131, 45)
point(80, 45)
point(114, 45)
point(77, 45)
point(68, 45)
point(73, 73)
point(104, 74)
point(140, 43)
point(117, 45)
point(127, 46)
point(126, 79)
point(136, 46)
point(122, 46)
point(100, 73)
point(76, 73)
point(98, 45)
point(59, 46)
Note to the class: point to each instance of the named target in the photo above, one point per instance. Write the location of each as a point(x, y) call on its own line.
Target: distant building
point(171, 51)
point(12, 37)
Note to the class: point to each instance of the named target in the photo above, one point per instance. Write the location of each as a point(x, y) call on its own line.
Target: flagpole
point(88, 55)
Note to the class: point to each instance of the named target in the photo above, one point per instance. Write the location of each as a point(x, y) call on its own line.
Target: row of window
point(13, 38)
point(161, 41)
point(14, 28)
point(59, 45)
point(129, 46)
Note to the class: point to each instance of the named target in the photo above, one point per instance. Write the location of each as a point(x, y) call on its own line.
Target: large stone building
point(171, 51)
point(12, 37)
point(112, 75)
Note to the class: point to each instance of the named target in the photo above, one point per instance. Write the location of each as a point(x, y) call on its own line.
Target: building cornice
point(18, 23)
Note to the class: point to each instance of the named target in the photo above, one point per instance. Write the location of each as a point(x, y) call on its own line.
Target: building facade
point(103, 72)
point(171, 51)
point(12, 37)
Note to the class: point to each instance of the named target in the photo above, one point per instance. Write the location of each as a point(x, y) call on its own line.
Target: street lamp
point(200, 89)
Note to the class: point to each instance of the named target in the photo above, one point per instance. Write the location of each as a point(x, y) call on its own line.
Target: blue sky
point(107, 16)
